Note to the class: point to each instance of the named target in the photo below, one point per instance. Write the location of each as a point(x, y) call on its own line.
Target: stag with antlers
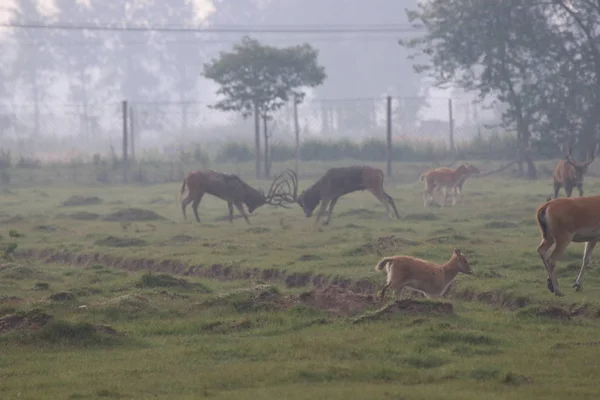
point(232, 189)
point(569, 174)
point(337, 182)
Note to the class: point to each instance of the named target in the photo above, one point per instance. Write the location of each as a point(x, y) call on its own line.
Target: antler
point(282, 191)
point(585, 164)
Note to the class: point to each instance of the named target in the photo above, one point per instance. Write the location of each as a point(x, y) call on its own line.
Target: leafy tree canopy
point(254, 75)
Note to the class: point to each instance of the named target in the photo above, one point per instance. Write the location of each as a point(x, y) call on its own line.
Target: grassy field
point(122, 298)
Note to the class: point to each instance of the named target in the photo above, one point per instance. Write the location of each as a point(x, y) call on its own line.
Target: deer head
point(283, 190)
point(580, 168)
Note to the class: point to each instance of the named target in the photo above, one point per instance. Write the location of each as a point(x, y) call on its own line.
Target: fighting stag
point(337, 182)
point(562, 221)
point(569, 174)
point(232, 189)
point(446, 179)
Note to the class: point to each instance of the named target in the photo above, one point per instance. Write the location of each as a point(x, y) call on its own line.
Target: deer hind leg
point(331, 205)
point(184, 204)
point(545, 251)
point(587, 261)
point(559, 249)
point(240, 208)
point(392, 203)
point(381, 196)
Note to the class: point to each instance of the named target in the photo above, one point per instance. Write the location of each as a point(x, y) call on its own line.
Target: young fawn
point(433, 280)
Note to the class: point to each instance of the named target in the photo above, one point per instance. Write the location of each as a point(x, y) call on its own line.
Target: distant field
point(122, 298)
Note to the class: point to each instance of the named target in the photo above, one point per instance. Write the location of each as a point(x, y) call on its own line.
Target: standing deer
point(562, 221)
point(445, 178)
point(232, 189)
point(337, 182)
point(569, 174)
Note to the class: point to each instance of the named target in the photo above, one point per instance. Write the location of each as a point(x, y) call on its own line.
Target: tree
point(503, 50)
point(257, 80)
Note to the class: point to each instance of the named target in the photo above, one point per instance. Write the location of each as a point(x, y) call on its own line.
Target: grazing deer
point(569, 174)
point(337, 182)
point(562, 221)
point(445, 179)
point(433, 280)
point(232, 189)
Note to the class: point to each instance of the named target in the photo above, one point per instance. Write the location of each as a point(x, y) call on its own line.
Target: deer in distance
point(431, 279)
point(337, 182)
point(569, 174)
point(232, 189)
point(562, 221)
point(446, 179)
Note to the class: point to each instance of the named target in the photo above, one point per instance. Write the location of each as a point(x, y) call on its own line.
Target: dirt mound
point(62, 296)
point(260, 297)
point(337, 300)
point(126, 306)
point(84, 216)
point(382, 244)
point(45, 228)
point(552, 312)
point(183, 238)
point(421, 217)
point(20, 321)
point(113, 241)
point(133, 215)
point(81, 201)
point(150, 280)
point(500, 225)
point(12, 220)
point(408, 306)
point(447, 238)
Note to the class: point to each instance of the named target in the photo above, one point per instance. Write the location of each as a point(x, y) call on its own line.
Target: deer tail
point(542, 220)
point(383, 262)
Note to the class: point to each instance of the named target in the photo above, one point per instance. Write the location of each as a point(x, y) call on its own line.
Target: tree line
point(540, 59)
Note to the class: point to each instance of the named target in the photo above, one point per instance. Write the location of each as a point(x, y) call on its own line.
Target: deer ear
point(457, 252)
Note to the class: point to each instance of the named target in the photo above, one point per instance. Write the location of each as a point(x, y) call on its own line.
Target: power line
point(305, 29)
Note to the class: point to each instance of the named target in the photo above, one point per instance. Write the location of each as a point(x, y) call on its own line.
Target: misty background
point(61, 90)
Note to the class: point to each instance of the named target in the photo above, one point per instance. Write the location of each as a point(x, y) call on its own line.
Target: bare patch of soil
point(133, 215)
point(45, 228)
point(21, 321)
point(113, 241)
point(12, 220)
point(447, 238)
point(150, 280)
point(337, 300)
point(62, 296)
point(183, 238)
point(382, 244)
point(83, 216)
point(550, 311)
point(81, 201)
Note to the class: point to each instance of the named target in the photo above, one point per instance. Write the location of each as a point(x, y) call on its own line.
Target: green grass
point(171, 309)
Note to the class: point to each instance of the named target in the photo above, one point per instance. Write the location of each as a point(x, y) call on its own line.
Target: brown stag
point(569, 174)
point(566, 220)
point(337, 182)
point(232, 189)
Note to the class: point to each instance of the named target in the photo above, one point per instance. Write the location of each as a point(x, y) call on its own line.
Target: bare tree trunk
point(257, 140)
point(84, 99)
point(266, 136)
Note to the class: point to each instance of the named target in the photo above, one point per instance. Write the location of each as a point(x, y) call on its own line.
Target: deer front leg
point(230, 208)
point(587, 261)
point(580, 188)
point(331, 205)
point(322, 208)
point(240, 208)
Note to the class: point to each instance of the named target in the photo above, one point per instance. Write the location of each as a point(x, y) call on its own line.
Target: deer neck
point(450, 269)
